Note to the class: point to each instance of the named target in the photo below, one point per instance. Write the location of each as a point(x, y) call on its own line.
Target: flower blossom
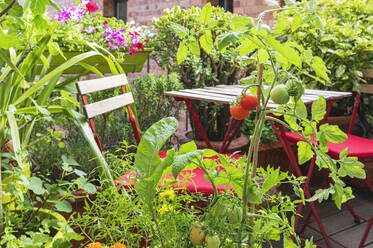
point(73, 13)
point(118, 245)
point(91, 7)
point(94, 245)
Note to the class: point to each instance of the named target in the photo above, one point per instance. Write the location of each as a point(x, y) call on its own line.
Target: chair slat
point(367, 73)
point(95, 85)
point(366, 88)
point(107, 105)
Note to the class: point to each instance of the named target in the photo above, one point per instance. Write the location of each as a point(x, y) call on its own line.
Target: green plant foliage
point(188, 42)
point(151, 103)
point(341, 36)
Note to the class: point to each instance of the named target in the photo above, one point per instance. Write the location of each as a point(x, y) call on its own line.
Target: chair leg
point(365, 236)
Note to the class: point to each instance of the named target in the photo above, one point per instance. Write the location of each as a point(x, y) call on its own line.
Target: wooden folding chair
point(92, 110)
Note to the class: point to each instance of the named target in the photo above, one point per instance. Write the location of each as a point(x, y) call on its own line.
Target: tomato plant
point(249, 102)
point(238, 112)
point(234, 214)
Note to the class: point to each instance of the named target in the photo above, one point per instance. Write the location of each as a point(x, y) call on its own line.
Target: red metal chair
point(358, 147)
point(91, 110)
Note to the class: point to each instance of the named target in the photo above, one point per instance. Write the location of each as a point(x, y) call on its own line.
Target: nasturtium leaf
point(182, 53)
point(206, 41)
point(64, 206)
point(305, 152)
point(205, 15)
point(262, 56)
point(318, 109)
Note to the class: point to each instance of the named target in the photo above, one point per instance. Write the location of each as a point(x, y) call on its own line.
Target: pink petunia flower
point(132, 51)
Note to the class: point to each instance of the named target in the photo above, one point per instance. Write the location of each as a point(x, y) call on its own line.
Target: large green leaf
point(154, 138)
point(82, 124)
point(147, 164)
point(53, 73)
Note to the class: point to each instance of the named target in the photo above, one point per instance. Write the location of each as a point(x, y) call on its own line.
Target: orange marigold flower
point(94, 245)
point(118, 245)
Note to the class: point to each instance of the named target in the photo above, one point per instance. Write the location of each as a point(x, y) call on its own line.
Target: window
point(227, 5)
point(120, 9)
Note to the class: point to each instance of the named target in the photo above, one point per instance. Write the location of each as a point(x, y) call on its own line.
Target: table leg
point(197, 121)
point(227, 141)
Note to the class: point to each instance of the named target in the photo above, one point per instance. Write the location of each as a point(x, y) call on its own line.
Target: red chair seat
point(196, 176)
point(357, 146)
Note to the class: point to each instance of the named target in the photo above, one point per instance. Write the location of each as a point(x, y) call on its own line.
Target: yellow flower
point(94, 245)
point(167, 194)
point(118, 245)
point(165, 208)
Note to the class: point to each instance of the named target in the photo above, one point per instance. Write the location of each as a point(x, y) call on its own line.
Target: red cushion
point(357, 146)
point(196, 176)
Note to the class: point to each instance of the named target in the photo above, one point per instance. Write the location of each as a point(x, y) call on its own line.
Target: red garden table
point(225, 94)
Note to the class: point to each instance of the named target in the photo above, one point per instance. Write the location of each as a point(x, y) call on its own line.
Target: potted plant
point(180, 47)
point(79, 27)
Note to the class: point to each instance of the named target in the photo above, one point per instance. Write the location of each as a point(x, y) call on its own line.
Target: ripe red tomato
point(238, 112)
point(249, 102)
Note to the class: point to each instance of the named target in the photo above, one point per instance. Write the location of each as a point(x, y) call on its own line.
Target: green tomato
point(220, 209)
point(212, 241)
point(279, 94)
point(295, 89)
point(234, 215)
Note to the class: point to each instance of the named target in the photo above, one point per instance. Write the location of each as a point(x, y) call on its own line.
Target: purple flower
point(89, 30)
point(73, 13)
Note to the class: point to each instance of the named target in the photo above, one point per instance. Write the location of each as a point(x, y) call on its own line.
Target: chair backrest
point(364, 88)
point(92, 110)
